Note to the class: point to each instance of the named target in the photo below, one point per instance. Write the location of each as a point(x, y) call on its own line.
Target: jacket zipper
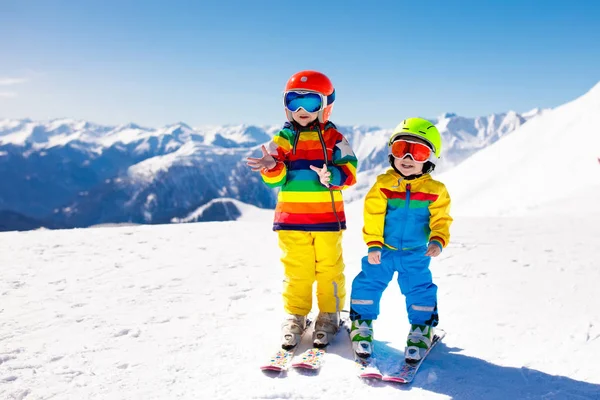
point(406, 210)
point(296, 138)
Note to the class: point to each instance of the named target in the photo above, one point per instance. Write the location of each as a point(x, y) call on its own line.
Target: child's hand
point(375, 257)
point(265, 162)
point(433, 250)
point(324, 175)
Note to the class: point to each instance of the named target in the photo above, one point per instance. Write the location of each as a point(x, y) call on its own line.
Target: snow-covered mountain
point(225, 208)
point(461, 136)
point(77, 173)
point(553, 158)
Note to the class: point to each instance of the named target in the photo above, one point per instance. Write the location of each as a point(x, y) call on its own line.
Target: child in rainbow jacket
point(311, 161)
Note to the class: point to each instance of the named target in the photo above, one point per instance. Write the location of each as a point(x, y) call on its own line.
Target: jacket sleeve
point(374, 216)
point(440, 219)
point(343, 168)
point(279, 148)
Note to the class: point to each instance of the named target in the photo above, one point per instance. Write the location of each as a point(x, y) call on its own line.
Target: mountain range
point(71, 173)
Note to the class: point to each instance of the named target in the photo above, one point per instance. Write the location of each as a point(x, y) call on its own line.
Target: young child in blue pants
point(406, 222)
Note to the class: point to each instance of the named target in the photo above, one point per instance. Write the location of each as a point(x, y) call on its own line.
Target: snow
point(6, 124)
point(18, 137)
point(240, 134)
point(248, 211)
point(553, 157)
point(190, 311)
point(147, 170)
point(124, 134)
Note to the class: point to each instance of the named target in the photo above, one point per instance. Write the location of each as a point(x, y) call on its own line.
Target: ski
point(281, 360)
point(367, 368)
point(310, 359)
point(406, 372)
point(314, 357)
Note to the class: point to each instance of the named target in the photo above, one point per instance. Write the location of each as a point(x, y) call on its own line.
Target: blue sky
point(226, 62)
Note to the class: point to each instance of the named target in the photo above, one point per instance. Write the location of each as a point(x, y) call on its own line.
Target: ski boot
point(326, 326)
point(418, 342)
point(361, 335)
point(292, 329)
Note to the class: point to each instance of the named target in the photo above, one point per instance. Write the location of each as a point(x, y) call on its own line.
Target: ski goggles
point(309, 101)
point(419, 152)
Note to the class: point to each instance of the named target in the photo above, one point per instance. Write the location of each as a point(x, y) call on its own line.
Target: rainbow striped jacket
point(303, 203)
point(406, 214)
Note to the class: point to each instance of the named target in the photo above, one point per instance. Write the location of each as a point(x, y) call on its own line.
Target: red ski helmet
point(312, 81)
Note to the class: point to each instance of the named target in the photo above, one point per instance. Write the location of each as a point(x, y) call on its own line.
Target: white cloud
point(12, 81)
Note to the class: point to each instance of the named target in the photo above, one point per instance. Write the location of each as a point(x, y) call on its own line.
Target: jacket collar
point(410, 179)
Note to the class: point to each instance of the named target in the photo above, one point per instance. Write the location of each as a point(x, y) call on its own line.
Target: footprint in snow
point(131, 332)
point(237, 296)
point(5, 358)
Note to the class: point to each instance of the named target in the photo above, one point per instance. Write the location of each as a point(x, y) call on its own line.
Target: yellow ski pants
point(310, 256)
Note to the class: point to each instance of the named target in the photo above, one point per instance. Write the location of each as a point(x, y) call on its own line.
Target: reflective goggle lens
point(418, 151)
point(310, 102)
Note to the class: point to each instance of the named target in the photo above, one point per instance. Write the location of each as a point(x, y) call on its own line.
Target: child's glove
point(265, 162)
point(433, 250)
point(324, 174)
point(375, 257)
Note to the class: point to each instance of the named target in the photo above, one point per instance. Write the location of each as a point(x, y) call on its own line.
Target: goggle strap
point(331, 98)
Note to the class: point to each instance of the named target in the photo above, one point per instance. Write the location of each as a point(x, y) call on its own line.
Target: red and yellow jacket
point(406, 214)
point(303, 203)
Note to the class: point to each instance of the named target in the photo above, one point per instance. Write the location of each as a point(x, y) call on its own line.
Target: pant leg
point(415, 280)
point(331, 282)
point(299, 271)
point(368, 286)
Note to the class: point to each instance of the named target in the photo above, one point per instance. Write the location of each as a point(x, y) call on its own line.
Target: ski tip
point(371, 376)
point(439, 334)
point(394, 379)
point(306, 366)
point(268, 368)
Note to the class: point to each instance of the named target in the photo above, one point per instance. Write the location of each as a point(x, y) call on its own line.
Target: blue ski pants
point(414, 278)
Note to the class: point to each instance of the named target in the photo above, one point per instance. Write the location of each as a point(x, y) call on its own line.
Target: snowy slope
point(190, 311)
point(235, 209)
point(553, 157)
point(461, 136)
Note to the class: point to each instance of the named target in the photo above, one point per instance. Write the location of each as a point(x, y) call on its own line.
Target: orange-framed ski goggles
point(419, 152)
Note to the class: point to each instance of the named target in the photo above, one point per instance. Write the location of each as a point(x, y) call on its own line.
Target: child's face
point(407, 166)
point(304, 118)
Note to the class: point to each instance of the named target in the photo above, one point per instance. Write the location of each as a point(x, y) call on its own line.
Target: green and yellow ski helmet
point(421, 128)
